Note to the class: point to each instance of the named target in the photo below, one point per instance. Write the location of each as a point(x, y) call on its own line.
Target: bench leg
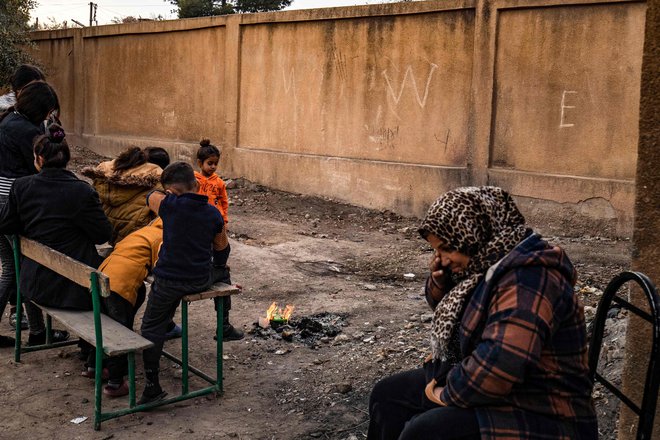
point(131, 379)
point(49, 329)
point(19, 308)
point(184, 348)
point(19, 299)
point(219, 321)
point(98, 383)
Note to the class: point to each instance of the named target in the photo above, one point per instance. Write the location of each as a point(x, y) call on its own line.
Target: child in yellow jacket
point(210, 184)
point(127, 266)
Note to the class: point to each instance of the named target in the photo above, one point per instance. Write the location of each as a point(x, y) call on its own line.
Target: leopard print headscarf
point(482, 223)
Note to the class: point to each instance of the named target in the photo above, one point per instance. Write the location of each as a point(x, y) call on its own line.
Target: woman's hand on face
point(437, 272)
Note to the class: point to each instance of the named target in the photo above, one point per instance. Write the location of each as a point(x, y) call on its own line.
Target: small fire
point(275, 313)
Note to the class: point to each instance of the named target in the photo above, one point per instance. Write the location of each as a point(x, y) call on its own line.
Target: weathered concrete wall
point(646, 237)
point(385, 106)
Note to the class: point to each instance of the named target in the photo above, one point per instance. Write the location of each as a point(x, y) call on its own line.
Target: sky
point(60, 10)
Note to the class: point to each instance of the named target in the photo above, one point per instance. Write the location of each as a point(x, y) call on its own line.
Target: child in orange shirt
point(210, 184)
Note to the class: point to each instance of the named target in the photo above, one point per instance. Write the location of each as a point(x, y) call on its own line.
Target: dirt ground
point(320, 256)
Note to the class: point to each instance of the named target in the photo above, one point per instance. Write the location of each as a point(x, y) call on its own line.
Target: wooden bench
point(108, 336)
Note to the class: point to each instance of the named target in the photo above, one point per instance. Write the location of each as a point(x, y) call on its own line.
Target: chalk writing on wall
point(396, 96)
point(564, 106)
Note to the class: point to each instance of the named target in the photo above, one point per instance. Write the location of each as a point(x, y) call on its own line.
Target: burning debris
point(279, 324)
point(276, 317)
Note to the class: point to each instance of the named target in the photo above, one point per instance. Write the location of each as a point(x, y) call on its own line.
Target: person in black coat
point(19, 126)
point(60, 211)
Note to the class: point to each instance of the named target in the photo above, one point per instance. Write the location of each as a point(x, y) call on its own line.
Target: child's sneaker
point(230, 333)
point(174, 333)
point(40, 338)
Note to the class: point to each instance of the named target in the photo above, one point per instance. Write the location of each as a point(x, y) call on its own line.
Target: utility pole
point(92, 13)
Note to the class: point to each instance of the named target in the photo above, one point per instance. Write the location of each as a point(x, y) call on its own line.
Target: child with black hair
point(193, 237)
point(212, 186)
point(22, 76)
point(157, 156)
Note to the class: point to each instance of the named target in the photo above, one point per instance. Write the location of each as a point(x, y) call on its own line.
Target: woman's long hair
point(130, 158)
point(35, 102)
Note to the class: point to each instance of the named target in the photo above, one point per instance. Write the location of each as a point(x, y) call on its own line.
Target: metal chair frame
point(646, 412)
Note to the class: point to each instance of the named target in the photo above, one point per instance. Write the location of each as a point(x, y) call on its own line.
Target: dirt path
point(320, 256)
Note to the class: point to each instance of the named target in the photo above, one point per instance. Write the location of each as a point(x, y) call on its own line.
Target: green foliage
point(260, 5)
point(14, 16)
point(205, 8)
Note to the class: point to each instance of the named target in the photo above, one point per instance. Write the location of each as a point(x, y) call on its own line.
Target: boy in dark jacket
point(193, 236)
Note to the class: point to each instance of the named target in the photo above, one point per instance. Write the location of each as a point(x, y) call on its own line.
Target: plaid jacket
point(524, 349)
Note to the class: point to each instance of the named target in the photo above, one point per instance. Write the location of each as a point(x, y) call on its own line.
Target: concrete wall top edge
point(59, 34)
point(302, 15)
point(364, 11)
point(525, 4)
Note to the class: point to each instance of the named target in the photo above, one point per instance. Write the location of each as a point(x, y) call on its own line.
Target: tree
point(52, 25)
point(131, 19)
point(14, 38)
point(205, 8)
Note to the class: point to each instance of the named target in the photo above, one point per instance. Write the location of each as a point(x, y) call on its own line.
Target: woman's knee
point(378, 393)
point(449, 423)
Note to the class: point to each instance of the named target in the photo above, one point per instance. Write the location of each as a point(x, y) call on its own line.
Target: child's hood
point(146, 175)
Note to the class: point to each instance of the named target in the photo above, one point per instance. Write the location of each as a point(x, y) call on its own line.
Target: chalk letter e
point(563, 106)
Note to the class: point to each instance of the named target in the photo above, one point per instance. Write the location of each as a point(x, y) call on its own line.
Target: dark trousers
point(163, 301)
point(399, 409)
point(122, 311)
point(221, 275)
point(8, 276)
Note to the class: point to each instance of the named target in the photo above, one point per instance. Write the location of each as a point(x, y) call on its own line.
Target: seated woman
point(123, 185)
point(508, 339)
point(61, 211)
point(19, 125)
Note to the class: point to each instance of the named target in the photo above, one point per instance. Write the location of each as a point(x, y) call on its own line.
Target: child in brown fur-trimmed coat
point(123, 184)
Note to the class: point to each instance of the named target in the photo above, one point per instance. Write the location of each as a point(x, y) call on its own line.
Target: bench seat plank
point(216, 290)
point(117, 339)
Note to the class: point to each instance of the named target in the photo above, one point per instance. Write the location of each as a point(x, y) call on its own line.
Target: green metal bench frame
point(99, 286)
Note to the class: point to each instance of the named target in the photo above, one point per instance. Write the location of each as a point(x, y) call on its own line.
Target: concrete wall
point(385, 106)
point(646, 237)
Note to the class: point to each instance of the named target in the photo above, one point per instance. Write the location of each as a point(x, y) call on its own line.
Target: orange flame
point(276, 313)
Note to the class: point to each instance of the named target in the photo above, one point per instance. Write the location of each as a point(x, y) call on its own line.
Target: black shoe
point(231, 333)
point(55, 336)
point(6, 341)
point(152, 393)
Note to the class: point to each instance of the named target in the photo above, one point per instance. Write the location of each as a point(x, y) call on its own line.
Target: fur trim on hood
point(7, 101)
point(146, 175)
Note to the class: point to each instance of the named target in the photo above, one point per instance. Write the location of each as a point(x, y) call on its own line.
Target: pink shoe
point(116, 392)
point(89, 373)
